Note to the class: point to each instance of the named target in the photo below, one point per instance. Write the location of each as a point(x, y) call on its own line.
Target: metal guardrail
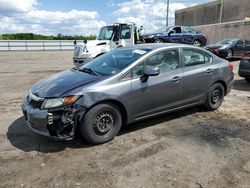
point(36, 45)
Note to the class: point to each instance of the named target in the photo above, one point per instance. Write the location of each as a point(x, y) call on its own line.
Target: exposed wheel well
point(119, 105)
point(224, 85)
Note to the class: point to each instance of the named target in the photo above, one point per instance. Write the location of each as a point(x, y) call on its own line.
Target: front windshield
point(227, 41)
point(106, 33)
point(115, 61)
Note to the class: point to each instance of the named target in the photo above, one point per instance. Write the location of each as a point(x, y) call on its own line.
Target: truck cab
point(109, 38)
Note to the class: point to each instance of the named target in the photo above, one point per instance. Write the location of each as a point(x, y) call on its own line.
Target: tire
point(197, 43)
point(247, 79)
point(158, 41)
point(101, 123)
point(229, 54)
point(215, 96)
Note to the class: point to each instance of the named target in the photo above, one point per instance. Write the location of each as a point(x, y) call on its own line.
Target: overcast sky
point(84, 17)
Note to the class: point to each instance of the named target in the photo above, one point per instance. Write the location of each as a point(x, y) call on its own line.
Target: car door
point(175, 35)
point(197, 75)
point(187, 35)
point(158, 93)
point(126, 35)
point(247, 46)
point(239, 48)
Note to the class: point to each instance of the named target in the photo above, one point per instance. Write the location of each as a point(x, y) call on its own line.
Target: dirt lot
point(190, 148)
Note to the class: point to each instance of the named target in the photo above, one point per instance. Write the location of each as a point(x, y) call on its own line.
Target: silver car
point(124, 86)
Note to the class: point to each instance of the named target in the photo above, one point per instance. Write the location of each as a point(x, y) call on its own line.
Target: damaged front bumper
point(57, 123)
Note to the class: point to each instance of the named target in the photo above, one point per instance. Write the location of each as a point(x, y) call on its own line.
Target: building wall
point(217, 32)
point(209, 13)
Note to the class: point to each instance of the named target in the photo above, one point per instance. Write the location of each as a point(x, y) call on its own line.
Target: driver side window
point(125, 32)
point(166, 61)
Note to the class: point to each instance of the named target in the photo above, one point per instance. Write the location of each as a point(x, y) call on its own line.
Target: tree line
point(32, 36)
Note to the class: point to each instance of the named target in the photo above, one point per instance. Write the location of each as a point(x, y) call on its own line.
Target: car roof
point(153, 46)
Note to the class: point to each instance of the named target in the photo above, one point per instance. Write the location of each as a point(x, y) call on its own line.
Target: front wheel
point(229, 54)
point(247, 79)
point(197, 43)
point(101, 123)
point(158, 41)
point(215, 96)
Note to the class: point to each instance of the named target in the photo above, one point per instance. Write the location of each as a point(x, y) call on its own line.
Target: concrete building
point(218, 19)
point(213, 12)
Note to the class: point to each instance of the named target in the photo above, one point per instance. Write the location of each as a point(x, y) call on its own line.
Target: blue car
point(176, 34)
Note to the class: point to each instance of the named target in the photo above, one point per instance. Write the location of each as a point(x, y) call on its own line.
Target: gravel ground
point(189, 148)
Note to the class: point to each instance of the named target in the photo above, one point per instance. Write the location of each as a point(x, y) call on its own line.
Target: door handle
point(209, 71)
point(176, 79)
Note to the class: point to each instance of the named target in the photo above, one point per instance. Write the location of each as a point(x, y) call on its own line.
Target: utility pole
point(167, 13)
point(221, 10)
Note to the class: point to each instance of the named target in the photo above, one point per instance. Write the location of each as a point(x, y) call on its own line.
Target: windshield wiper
point(89, 70)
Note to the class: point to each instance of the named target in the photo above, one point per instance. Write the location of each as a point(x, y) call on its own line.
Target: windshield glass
point(106, 33)
point(115, 61)
point(226, 42)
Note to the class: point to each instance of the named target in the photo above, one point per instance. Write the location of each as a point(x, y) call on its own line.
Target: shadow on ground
point(241, 85)
point(21, 137)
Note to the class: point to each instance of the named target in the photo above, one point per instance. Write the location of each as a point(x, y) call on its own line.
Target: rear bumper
point(230, 83)
point(244, 69)
point(244, 73)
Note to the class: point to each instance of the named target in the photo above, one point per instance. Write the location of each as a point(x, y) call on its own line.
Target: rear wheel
point(247, 79)
point(101, 123)
point(215, 96)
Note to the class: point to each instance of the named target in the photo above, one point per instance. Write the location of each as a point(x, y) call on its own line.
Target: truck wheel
point(101, 123)
point(215, 96)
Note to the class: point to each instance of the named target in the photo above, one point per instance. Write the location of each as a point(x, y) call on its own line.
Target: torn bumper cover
point(58, 122)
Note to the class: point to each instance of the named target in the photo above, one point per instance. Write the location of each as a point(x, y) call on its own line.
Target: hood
point(213, 46)
point(93, 43)
point(62, 82)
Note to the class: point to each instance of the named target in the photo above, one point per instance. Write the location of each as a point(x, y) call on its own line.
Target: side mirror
point(149, 71)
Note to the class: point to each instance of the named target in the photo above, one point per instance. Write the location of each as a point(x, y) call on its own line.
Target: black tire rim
point(216, 96)
point(104, 123)
point(197, 43)
point(229, 54)
point(158, 41)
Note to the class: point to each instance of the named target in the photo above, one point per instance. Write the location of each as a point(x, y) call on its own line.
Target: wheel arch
point(223, 83)
point(118, 104)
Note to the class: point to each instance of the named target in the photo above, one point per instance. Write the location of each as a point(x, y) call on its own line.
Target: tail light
point(231, 67)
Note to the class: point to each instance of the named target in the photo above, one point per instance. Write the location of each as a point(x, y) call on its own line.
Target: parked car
point(244, 67)
point(124, 86)
point(177, 34)
point(230, 48)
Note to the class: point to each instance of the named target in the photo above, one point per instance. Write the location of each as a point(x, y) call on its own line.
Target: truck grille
point(77, 51)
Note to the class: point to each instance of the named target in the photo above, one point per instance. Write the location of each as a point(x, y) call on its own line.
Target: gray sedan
point(124, 86)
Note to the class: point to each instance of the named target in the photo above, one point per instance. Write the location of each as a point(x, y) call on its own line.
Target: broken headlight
point(56, 102)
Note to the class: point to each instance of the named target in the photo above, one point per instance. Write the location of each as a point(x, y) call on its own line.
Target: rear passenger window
point(195, 57)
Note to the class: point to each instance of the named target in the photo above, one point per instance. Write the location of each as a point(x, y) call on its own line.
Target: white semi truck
point(109, 38)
